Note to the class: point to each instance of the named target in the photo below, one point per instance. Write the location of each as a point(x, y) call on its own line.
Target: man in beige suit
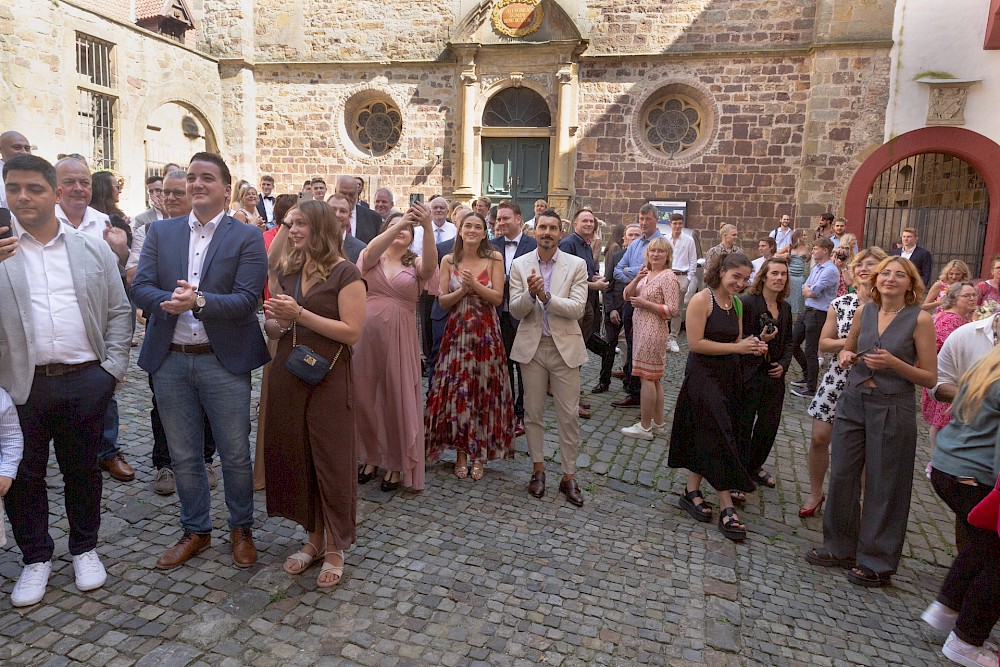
point(548, 293)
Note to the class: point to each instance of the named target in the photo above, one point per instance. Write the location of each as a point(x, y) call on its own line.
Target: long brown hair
point(485, 248)
point(325, 246)
point(757, 287)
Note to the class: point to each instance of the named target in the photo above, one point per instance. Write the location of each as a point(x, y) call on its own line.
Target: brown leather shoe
point(536, 486)
point(244, 551)
point(570, 489)
point(585, 405)
point(189, 546)
point(118, 468)
point(618, 373)
point(583, 412)
point(627, 402)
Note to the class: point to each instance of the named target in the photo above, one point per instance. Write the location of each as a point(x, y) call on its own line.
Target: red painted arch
point(979, 151)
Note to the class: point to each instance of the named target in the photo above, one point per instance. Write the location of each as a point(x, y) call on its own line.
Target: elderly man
point(384, 201)
point(57, 280)
point(364, 223)
point(12, 144)
point(540, 207)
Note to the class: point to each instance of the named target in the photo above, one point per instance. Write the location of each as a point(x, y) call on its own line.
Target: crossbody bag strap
point(295, 340)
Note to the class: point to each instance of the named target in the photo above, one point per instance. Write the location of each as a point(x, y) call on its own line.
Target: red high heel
point(806, 512)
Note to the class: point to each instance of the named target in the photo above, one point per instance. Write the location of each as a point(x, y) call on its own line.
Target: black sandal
point(365, 477)
point(765, 479)
point(734, 528)
point(823, 558)
point(700, 511)
point(869, 578)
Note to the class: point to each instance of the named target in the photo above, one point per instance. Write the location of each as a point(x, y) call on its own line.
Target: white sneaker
point(30, 586)
point(966, 654)
point(90, 573)
point(673, 346)
point(821, 360)
point(659, 429)
point(637, 431)
point(939, 616)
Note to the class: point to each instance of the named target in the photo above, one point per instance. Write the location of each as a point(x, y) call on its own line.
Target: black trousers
point(759, 417)
point(67, 410)
point(508, 331)
point(972, 585)
point(424, 306)
point(611, 333)
point(807, 330)
point(161, 456)
point(631, 384)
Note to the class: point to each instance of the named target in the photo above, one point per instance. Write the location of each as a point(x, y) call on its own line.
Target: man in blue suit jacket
point(198, 281)
point(921, 257)
point(511, 242)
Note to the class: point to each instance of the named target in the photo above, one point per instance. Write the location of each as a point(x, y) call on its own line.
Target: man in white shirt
point(364, 223)
point(766, 248)
point(265, 201)
point(783, 234)
point(67, 333)
point(384, 202)
point(961, 350)
point(12, 144)
point(443, 229)
point(684, 265)
point(540, 207)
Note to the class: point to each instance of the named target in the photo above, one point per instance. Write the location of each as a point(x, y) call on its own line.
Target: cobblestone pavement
point(480, 573)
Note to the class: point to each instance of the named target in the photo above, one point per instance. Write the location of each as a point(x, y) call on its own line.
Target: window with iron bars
point(96, 110)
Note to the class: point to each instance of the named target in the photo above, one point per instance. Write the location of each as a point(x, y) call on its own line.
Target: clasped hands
point(536, 286)
point(181, 300)
point(876, 359)
point(752, 345)
point(282, 308)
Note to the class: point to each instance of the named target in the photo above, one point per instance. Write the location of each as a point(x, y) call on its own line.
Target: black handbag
point(306, 364)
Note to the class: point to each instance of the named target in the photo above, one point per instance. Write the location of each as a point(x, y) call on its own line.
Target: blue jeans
point(188, 387)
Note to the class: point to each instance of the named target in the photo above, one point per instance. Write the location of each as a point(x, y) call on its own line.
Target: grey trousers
point(876, 433)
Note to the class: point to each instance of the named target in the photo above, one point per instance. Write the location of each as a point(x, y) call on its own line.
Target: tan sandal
point(462, 469)
point(302, 560)
point(477, 470)
point(337, 571)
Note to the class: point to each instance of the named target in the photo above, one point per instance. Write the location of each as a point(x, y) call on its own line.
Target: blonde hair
point(239, 191)
point(726, 228)
point(975, 383)
point(865, 253)
point(955, 264)
point(916, 291)
point(662, 244)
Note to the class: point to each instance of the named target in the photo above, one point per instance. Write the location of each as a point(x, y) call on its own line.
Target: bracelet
point(298, 314)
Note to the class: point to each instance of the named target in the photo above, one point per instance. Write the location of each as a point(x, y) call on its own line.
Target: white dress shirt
point(509, 250)
point(11, 443)
point(782, 237)
point(963, 348)
point(445, 232)
point(906, 253)
point(94, 222)
point(757, 263)
point(59, 331)
point(268, 207)
point(138, 239)
point(685, 255)
point(189, 329)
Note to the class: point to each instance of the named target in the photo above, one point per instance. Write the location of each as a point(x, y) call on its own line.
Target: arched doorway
point(174, 132)
point(515, 147)
point(978, 151)
point(942, 196)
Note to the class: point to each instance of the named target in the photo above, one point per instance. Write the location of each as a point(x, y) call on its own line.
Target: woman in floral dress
point(470, 408)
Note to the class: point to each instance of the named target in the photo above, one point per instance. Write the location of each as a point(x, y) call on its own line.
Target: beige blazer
point(569, 298)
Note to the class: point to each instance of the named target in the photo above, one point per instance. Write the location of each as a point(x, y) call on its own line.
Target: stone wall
point(301, 127)
point(39, 91)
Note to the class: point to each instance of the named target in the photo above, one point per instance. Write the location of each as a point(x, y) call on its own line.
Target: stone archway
point(979, 151)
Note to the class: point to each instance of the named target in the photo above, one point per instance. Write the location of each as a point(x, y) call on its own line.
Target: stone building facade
point(743, 110)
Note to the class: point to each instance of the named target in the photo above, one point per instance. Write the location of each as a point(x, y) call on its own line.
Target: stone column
point(466, 188)
point(564, 148)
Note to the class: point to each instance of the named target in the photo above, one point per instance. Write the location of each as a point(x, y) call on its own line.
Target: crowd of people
point(362, 305)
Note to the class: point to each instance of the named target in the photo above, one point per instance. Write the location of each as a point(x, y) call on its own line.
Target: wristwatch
point(548, 297)
point(199, 302)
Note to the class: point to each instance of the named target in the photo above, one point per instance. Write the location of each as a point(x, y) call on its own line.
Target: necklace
point(892, 312)
point(719, 301)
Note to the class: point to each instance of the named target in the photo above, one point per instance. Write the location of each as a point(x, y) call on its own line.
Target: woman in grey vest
point(890, 348)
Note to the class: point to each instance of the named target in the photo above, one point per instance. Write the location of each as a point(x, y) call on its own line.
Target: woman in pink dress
point(390, 421)
point(956, 309)
point(953, 272)
point(655, 294)
point(469, 407)
point(989, 290)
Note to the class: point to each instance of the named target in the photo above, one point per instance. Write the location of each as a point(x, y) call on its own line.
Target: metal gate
point(941, 196)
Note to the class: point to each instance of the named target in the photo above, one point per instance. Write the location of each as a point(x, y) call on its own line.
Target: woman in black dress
point(703, 438)
point(768, 316)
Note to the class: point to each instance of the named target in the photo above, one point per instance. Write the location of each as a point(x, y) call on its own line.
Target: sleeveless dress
point(703, 436)
point(650, 331)
point(469, 407)
point(309, 447)
point(824, 403)
point(387, 381)
point(796, 278)
point(937, 413)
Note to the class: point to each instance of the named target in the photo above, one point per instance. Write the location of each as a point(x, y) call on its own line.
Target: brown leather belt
point(200, 348)
point(52, 370)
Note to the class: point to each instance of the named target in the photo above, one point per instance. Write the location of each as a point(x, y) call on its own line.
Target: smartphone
point(5, 222)
point(864, 352)
point(416, 198)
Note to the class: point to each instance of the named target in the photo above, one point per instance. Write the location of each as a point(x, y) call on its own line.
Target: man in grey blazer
point(53, 280)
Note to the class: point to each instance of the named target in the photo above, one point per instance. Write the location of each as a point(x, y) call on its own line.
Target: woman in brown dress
point(310, 453)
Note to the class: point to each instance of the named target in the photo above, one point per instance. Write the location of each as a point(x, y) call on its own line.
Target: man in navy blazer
point(511, 242)
point(921, 257)
point(198, 282)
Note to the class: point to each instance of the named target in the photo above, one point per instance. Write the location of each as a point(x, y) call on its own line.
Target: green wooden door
point(516, 169)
